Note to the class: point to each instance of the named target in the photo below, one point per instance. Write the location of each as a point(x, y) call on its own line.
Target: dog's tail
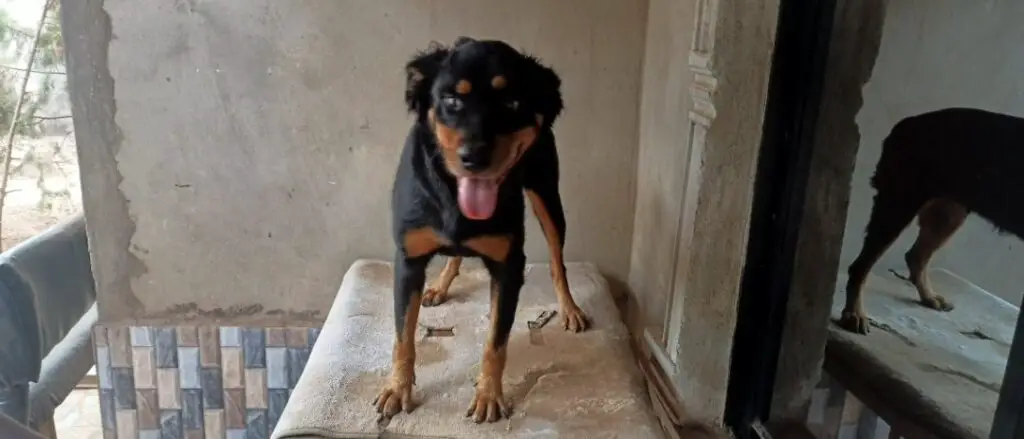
point(899, 154)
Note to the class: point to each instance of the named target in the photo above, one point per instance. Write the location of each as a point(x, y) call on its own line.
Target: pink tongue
point(477, 197)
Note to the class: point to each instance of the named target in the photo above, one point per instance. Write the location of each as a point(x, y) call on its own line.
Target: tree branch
point(51, 117)
point(41, 72)
point(9, 147)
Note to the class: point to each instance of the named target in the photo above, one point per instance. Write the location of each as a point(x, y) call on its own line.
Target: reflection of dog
point(939, 166)
point(482, 136)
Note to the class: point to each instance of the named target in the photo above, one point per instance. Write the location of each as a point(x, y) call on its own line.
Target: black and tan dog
point(939, 166)
point(482, 137)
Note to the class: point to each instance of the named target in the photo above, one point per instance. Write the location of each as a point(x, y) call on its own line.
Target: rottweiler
point(480, 146)
point(939, 166)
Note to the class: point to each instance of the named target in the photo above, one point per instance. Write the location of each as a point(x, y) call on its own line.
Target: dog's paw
point(393, 397)
point(854, 322)
point(434, 297)
point(937, 303)
point(574, 320)
point(488, 404)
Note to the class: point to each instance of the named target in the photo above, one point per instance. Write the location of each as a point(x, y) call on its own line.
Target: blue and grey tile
point(192, 409)
point(103, 368)
point(166, 346)
point(188, 367)
point(141, 336)
point(254, 348)
point(230, 336)
point(277, 368)
point(124, 387)
point(297, 358)
point(277, 398)
point(213, 389)
point(108, 410)
point(314, 333)
point(170, 424)
point(256, 424)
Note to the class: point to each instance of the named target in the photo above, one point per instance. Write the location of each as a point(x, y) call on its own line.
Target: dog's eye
point(512, 105)
point(452, 103)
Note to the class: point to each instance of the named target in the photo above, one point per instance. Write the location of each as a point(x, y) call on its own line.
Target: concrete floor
point(78, 417)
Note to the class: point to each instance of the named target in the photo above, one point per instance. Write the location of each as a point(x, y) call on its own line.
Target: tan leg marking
point(488, 403)
point(939, 220)
point(397, 393)
point(438, 293)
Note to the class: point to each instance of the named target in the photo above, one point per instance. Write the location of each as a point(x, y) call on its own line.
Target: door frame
point(783, 171)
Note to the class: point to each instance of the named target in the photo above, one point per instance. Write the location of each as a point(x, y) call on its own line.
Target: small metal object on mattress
point(536, 337)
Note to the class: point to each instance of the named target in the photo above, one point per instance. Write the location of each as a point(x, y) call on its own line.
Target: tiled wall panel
point(187, 382)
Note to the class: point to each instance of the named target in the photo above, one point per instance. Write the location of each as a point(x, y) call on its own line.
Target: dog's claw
point(434, 297)
point(488, 406)
point(392, 398)
point(574, 320)
point(937, 303)
point(854, 322)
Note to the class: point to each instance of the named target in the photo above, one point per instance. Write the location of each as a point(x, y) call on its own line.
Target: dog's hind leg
point(939, 219)
point(890, 214)
point(438, 293)
point(547, 207)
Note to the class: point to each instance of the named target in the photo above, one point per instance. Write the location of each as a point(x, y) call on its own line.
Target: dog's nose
point(474, 156)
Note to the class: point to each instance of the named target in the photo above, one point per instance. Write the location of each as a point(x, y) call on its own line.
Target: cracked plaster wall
point(237, 156)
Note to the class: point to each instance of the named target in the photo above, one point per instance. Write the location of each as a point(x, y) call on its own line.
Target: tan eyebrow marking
point(499, 82)
point(463, 87)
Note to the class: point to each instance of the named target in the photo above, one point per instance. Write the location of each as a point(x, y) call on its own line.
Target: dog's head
point(486, 104)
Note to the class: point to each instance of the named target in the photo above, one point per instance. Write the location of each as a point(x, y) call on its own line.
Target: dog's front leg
point(410, 274)
point(489, 403)
point(547, 207)
point(438, 293)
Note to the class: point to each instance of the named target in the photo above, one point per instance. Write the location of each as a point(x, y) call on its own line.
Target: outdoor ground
point(78, 417)
point(24, 215)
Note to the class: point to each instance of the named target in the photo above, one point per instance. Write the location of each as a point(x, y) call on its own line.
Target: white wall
point(937, 54)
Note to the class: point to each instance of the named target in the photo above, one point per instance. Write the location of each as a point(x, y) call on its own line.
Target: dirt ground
point(49, 164)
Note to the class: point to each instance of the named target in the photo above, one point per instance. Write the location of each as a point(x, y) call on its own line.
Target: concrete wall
point(694, 189)
point(664, 156)
point(854, 42)
point(238, 156)
point(937, 54)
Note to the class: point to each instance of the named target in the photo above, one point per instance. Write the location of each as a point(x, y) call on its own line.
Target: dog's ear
point(462, 40)
point(544, 90)
point(420, 73)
